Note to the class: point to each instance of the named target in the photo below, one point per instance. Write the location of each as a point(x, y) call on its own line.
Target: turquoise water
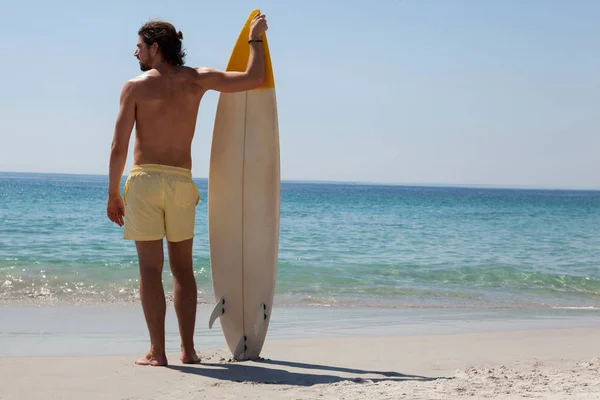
point(340, 245)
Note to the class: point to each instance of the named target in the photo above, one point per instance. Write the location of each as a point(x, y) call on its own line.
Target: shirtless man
point(160, 197)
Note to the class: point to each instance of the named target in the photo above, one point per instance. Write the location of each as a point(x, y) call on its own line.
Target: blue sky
point(495, 92)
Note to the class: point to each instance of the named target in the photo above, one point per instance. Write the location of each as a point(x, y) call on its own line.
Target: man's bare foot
point(189, 357)
point(149, 359)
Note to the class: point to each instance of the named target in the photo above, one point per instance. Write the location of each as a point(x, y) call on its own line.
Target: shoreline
point(281, 300)
point(116, 329)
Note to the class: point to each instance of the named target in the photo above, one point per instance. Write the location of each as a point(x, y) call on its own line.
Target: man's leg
point(151, 258)
point(186, 296)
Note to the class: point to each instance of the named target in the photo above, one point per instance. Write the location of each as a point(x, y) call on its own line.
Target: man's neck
point(162, 67)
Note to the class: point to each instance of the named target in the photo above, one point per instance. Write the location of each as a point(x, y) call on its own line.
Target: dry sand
point(544, 364)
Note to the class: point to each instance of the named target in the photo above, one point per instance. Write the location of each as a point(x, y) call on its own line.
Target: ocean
point(341, 245)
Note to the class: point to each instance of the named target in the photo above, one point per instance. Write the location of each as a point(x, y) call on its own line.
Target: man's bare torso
point(166, 112)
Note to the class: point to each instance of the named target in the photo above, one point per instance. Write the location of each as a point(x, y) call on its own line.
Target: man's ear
point(154, 48)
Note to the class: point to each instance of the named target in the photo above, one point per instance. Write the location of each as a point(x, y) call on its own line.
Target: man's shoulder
point(197, 73)
point(134, 82)
point(140, 79)
point(204, 71)
point(148, 76)
point(189, 72)
point(137, 83)
point(130, 87)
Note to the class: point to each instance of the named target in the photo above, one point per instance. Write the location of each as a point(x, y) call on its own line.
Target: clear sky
point(495, 92)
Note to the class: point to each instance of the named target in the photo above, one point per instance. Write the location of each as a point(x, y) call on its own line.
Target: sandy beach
point(547, 362)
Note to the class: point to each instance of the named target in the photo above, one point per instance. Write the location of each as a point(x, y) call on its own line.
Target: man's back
point(166, 112)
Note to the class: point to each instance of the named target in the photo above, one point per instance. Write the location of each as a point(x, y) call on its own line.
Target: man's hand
point(115, 209)
point(258, 26)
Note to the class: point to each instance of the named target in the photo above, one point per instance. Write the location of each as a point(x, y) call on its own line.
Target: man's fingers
point(116, 218)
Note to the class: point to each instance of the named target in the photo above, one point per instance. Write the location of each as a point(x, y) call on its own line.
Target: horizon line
point(372, 183)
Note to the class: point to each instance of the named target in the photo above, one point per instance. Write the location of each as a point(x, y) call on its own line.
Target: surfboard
point(243, 206)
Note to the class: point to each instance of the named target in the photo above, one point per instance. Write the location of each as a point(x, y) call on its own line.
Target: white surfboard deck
point(243, 207)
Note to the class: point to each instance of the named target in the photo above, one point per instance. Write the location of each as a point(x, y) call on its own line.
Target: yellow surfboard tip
point(238, 60)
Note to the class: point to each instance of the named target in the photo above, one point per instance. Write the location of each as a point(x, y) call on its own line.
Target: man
point(160, 197)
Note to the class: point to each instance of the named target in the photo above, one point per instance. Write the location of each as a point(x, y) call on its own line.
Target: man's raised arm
point(234, 81)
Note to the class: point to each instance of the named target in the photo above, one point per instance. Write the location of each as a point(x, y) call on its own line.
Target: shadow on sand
point(254, 371)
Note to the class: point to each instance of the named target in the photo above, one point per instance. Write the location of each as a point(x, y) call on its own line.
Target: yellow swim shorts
point(160, 201)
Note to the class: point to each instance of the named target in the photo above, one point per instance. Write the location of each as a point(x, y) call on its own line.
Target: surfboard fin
point(261, 317)
point(217, 312)
point(240, 348)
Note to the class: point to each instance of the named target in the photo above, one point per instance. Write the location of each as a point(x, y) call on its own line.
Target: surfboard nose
point(238, 60)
